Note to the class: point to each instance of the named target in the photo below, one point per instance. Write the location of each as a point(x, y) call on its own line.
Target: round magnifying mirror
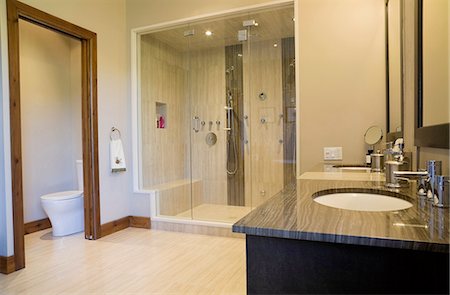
point(373, 135)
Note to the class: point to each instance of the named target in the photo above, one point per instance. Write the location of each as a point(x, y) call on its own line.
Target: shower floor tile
point(214, 212)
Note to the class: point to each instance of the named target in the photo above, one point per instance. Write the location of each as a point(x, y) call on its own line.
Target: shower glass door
point(269, 67)
point(217, 133)
point(242, 103)
point(217, 114)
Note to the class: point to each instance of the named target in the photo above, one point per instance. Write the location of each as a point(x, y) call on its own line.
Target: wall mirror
point(432, 107)
point(394, 66)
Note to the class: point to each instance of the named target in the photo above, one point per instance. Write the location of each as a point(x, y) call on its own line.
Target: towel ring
point(114, 130)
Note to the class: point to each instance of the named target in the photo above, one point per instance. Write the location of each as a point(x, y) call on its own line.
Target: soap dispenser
point(377, 161)
point(368, 158)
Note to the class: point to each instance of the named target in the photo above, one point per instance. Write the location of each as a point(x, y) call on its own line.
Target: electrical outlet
point(332, 153)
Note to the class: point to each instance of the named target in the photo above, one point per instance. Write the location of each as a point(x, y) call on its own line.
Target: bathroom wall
point(436, 62)
point(144, 13)
point(107, 19)
point(48, 143)
point(75, 106)
point(6, 229)
point(342, 76)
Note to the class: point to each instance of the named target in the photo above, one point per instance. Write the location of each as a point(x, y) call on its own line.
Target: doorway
point(18, 11)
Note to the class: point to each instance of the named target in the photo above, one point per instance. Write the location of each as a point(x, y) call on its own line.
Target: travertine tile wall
point(264, 152)
point(163, 80)
point(166, 154)
point(207, 95)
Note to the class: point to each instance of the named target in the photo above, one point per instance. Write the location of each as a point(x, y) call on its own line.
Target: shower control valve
point(262, 193)
point(263, 120)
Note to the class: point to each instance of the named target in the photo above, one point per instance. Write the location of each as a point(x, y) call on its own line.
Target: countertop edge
point(342, 239)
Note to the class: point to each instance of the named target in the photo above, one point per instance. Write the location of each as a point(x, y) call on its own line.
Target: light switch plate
point(332, 153)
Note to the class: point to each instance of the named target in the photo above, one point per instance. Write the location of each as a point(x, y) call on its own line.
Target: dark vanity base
point(276, 266)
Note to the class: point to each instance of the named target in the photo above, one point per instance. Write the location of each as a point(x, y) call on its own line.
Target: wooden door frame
point(15, 11)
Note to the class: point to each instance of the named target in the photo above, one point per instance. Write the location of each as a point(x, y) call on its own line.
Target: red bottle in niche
point(162, 122)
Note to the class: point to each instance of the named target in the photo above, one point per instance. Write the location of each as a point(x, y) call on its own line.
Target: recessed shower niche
point(211, 74)
point(161, 115)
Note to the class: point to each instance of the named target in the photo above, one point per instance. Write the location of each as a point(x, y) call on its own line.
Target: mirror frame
point(435, 136)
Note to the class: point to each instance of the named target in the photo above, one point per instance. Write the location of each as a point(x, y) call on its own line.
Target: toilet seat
point(61, 196)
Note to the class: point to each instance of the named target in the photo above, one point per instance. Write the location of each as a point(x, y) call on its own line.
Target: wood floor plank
point(131, 261)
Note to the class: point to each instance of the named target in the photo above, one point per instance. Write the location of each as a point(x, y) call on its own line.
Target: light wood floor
point(131, 261)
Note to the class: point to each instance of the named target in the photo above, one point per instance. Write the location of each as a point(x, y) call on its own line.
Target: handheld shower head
point(229, 70)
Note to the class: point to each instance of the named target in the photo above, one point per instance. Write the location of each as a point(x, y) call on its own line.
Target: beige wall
point(435, 154)
point(436, 62)
point(75, 99)
point(144, 13)
point(342, 76)
point(6, 218)
point(49, 137)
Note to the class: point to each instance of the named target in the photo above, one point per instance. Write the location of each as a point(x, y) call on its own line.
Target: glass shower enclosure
point(217, 114)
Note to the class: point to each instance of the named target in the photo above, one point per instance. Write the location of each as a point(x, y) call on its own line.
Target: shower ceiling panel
point(271, 24)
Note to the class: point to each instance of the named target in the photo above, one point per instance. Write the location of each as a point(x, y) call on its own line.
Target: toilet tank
point(80, 174)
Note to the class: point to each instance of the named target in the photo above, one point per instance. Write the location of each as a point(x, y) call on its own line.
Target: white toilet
point(66, 209)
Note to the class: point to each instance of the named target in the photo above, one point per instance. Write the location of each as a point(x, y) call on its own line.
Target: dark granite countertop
point(293, 214)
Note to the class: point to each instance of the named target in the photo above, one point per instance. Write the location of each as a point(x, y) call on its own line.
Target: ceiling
point(275, 23)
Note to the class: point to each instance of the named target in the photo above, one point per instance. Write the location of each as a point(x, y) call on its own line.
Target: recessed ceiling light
point(239, 54)
point(208, 33)
point(275, 44)
point(256, 24)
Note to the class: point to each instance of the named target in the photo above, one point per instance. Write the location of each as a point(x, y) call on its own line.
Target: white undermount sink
point(363, 202)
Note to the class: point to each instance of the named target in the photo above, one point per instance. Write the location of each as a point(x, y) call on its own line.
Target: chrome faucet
point(426, 178)
point(421, 176)
point(394, 150)
point(394, 163)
